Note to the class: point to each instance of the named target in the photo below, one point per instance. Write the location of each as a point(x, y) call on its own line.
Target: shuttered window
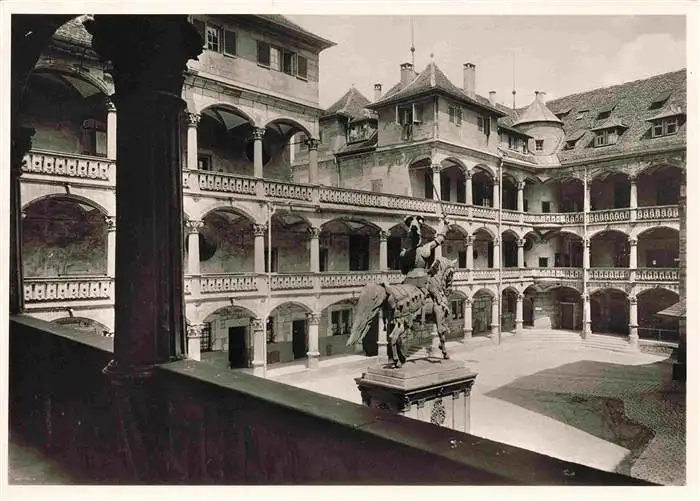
point(302, 67)
point(230, 43)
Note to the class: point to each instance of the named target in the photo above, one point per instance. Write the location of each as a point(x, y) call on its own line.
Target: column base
point(312, 360)
point(194, 348)
point(633, 338)
point(467, 334)
point(586, 331)
point(518, 327)
point(495, 334)
point(260, 369)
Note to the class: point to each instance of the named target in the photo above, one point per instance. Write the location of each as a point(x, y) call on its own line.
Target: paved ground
point(611, 410)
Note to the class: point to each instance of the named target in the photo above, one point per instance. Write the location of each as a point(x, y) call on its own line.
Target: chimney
point(539, 96)
point(377, 92)
point(492, 96)
point(470, 79)
point(406, 74)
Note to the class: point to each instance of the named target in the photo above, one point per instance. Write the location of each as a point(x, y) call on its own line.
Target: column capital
point(632, 298)
point(110, 223)
point(257, 324)
point(468, 174)
point(520, 297)
point(469, 240)
point(192, 119)
point(436, 168)
point(109, 106)
point(587, 242)
point(468, 301)
point(313, 318)
point(193, 225)
point(496, 241)
point(21, 144)
point(259, 230)
point(383, 236)
point(142, 63)
point(312, 143)
point(521, 242)
point(520, 185)
point(585, 297)
point(258, 133)
point(314, 232)
point(632, 240)
point(194, 330)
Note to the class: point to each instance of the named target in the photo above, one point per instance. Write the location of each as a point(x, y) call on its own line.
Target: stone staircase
point(608, 342)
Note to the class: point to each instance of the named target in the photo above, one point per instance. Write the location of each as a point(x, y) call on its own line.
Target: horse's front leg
point(441, 314)
point(393, 338)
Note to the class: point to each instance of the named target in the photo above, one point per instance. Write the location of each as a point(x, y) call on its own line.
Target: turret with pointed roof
point(537, 112)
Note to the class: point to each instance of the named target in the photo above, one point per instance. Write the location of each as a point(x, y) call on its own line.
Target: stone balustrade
point(609, 274)
point(53, 163)
point(67, 289)
point(227, 183)
point(608, 216)
point(511, 273)
point(280, 189)
point(479, 212)
point(657, 275)
point(212, 284)
point(510, 216)
point(485, 274)
point(291, 281)
point(657, 212)
point(358, 278)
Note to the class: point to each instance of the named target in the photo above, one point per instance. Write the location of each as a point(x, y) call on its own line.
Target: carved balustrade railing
point(608, 216)
point(67, 289)
point(609, 274)
point(280, 189)
point(292, 281)
point(657, 274)
point(220, 282)
point(358, 278)
point(657, 212)
point(485, 274)
point(510, 215)
point(227, 183)
point(53, 163)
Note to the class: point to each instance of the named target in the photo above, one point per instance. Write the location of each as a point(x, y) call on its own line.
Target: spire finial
point(413, 47)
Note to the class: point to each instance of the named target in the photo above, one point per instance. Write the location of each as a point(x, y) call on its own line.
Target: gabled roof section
point(352, 105)
point(674, 111)
point(512, 130)
point(537, 112)
point(632, 101)
point(368, 144)
point(432, 80)
point(291, 28)
point(610, 123)
point(75, 31)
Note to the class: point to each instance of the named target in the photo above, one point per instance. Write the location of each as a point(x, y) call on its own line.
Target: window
point(546, 207)
point(377, 185)
point(484, 125)
point(275, 59)
point(605, 137)
point(230, 43)
point(455, 115)
point(404, 115)
point(570, 145)
point(457, 309)
point(94, 141)
point(660, 100)
point(289, 62)
point(213, 38)
point(323, 260)
point(263, 53)
point(539, 144)
point(543, 262)
point(665, 127)
point(581, 114)
point(204, 162)
point(341, 322)
point(301, 67)
point(274, 260)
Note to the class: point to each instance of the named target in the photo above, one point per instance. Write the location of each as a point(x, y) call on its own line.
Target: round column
point(468, 186)
point(192, 120)
point(313, 143)
point(519, 314)
point(111, 227)
point(467, 318)
point(437, 185)
point(258, 134)
point(383, 257)
point(314, 264)
point(586, 315)
point(111, 129)
point(521, 253)
point(313, 354)
point(496, 253)
point(633, 326)
point(259, 362)
point(259, 232)
point(521, 196)
point(194, 341)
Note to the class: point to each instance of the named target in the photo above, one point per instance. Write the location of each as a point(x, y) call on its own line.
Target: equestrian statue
point(423, 292)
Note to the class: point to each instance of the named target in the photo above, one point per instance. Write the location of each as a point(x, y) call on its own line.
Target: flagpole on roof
point(413, 47)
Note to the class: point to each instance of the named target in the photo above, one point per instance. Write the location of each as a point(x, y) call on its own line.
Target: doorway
point(237, 356)
point(567, 316)
point(299, 344)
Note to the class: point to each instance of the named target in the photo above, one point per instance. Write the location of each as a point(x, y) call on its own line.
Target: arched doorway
point(289, 340)
point(568, 309)
point(226, 243)
point(610, 249)
point(528, 306)
point(482, 305)
point(509, 298)
point(349, 244)
point(227, 338)
point(651, 325)
point(610, 312)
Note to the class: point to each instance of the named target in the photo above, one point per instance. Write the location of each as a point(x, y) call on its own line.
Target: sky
point(559, 55)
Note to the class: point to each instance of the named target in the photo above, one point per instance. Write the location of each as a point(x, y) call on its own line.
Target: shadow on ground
point(609, 401)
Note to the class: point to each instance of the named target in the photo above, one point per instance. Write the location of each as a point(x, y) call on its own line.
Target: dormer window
point(606, 137)
point(581, 114)
point(571, 140)
point(665, 127)
point(660, 100)
point(605, 111)
point(563, 113)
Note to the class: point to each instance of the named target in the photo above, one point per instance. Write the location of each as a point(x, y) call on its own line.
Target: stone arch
point(63, 68)
point(511, 288)
point(231, 108)
point(295, 124)
point(639, 231)
point(353, 219)
point(206, 209)
point(510, 231)
point(454, 161)
point(491, 233)
point(609, 310)
point(276, 303)
point(488, 290)
point(210, 308)
point(420, 158)
point(79, 199)
point(601, 173)
point(85, 324)
point(485, 168)
point(605, 229)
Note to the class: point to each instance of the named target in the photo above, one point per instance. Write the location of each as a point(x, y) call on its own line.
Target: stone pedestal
point(428, 389)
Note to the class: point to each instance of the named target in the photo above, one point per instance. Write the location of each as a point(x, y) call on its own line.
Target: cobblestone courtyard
point(611, 410)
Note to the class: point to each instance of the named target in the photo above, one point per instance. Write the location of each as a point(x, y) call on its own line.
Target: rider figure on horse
point(416, 262)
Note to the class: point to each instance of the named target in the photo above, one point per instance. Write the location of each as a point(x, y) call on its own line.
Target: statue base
point(428, 389)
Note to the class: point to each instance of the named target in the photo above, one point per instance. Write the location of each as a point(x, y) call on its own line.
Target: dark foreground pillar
point(428, 389)
point(148, 55)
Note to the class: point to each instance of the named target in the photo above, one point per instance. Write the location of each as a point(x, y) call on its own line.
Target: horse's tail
point(371, 299)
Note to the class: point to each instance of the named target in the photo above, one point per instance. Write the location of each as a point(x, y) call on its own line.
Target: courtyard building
point(565, 213)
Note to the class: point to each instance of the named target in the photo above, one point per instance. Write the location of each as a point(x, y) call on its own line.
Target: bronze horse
point(401, 305)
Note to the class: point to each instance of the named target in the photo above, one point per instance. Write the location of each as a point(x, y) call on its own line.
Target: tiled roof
point(284, 22)
point(353, 104)
point(513, 130)
point(632, 102)
point(537, 112)
point(75, 31)
point(432, 79)
point(675, 310)
point(610, 123)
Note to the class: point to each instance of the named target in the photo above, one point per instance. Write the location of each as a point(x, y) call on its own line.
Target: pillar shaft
point(383, 251)
point(314, 264)
point(586, 315)
point(496, 195)
point(259, 362)
point(633, 253)
point(468, 186)
point(313, 160)
point(469, 249)
point(521, 253)
point(467, 318)
point(586, 253)
point(260, 231)
point(495, 320)
point(633, 325)
point(110, 222)
point(258, 134)
point(313, 353)
point(437, 185)
point(192, 120)
point(519, 314)
point(193, 227)
point(111, 130)
point(496, 253)
point(521, 197)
